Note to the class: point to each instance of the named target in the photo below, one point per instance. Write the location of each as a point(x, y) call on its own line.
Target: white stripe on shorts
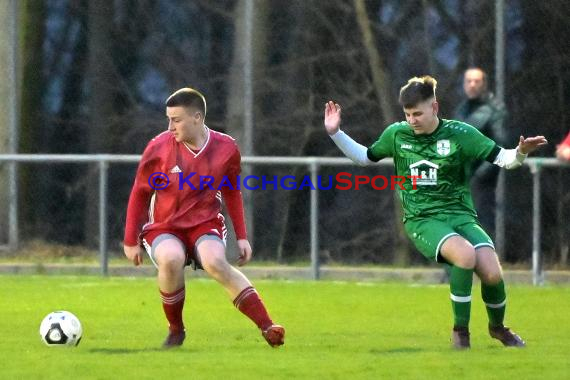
point(443, 239)
point(148, 250)
point(484, 245)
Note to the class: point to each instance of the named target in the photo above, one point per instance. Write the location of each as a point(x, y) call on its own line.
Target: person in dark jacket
point(483, 111)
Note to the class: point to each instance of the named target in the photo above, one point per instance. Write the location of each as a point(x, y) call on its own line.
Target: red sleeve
point(137, 210)
point(566, 140)
point(233, 198)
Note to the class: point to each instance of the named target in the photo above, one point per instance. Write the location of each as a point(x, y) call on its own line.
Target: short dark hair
point(187, 97)
point(417, 90)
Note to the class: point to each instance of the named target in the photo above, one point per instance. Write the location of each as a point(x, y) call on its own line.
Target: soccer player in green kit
point(438, 210)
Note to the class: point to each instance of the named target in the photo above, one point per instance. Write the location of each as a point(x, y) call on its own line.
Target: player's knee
point(171, 263)
point(215, 264)
point(459, 252)
point(213, 258)
point(170, 258)
point(492, 277)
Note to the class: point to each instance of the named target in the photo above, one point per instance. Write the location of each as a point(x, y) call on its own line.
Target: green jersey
point(441, 162)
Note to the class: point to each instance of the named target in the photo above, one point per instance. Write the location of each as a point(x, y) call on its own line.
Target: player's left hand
point(244, 254)
point(530, 144)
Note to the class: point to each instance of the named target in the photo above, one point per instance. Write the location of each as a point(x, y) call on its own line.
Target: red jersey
point(197, 183)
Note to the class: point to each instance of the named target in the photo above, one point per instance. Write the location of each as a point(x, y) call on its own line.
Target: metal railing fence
point(312, 163)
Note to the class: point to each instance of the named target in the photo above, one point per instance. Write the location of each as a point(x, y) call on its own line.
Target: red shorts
point(215, 227)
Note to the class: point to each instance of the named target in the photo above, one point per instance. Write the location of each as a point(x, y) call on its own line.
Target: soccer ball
point(61, 328)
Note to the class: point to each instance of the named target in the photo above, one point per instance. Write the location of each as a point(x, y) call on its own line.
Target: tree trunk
point(101, 80)
point(382, 90)
point(32, 123)
point(375, 62)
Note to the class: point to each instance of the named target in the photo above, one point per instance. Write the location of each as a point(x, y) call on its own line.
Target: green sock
point(495, 299)
point(460, 283)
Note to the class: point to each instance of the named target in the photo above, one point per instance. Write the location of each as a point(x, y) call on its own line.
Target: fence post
point(537, 274)
point(13, 229)
point(315, 270)
point(500, 187)
point(13, 128)
point(103, 254)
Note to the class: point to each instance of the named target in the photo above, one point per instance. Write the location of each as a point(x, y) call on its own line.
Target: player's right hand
point(134, 253)
point(332, 117)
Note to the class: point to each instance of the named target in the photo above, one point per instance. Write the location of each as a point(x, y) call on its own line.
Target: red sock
point(173, 303)
point(249, 303)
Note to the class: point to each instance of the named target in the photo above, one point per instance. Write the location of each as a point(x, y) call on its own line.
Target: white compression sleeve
point(351, 149)
point(509, 158)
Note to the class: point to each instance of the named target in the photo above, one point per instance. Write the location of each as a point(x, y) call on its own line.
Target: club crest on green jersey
point(425, 172)
point(443, 147)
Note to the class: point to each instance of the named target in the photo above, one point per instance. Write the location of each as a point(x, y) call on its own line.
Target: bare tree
point(32, 133)
point(101, 81)
point(303, 52)
point(376, 64)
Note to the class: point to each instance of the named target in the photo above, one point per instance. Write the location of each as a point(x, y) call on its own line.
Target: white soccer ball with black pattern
point(61, 328)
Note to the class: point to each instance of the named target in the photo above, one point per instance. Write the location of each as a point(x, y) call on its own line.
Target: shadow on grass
point(128, 351)
point(397, 350)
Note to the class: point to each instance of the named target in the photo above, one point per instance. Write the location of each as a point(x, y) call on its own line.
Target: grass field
point(335, 330)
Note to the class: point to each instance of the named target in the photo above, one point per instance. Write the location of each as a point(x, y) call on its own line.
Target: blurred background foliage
point(95, 75)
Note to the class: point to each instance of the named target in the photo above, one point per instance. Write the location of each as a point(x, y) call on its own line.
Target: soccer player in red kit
point(174, 211)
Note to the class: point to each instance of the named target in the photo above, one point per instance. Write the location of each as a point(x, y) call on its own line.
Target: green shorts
point(428, 234)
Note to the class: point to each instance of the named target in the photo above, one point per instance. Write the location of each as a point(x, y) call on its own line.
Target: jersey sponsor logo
point(175, 169)
point(443, 147)
point(425, 172)
point(406, 146)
